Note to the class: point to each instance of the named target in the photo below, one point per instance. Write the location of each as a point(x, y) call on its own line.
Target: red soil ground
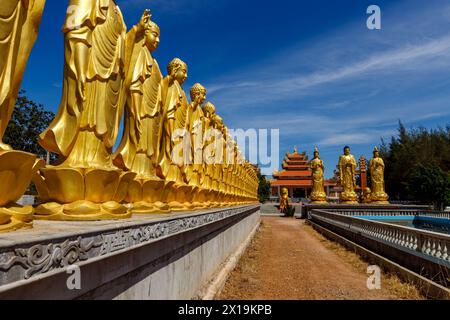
point(289, 260)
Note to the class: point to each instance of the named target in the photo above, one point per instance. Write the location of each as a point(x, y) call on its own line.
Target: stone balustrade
point(418, 244)
point(396, 212)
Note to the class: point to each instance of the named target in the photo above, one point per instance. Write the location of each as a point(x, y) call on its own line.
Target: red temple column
point(363, 172)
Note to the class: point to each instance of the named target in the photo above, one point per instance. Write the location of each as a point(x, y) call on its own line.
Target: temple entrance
point(299, 193)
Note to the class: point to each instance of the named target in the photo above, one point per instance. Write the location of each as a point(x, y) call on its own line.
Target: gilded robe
point(19, 24)
point(347, 171)
point(85, 130)
point(139, 148)
point(196, 129)
point(318, 192)
point(175, 113)
point(376, 166)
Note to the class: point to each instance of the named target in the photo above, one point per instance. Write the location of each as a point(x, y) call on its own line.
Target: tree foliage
point(418, 164)
point(431, 184)
point(29, 119)
point(263, 189)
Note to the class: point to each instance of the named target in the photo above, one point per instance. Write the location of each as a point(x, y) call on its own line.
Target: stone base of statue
point(348, 198)
point(204, 198)
point(16, 171)
point(177, 196)
point(78, 194)
point(145, 196)
point(318, 198)
point(379, 198)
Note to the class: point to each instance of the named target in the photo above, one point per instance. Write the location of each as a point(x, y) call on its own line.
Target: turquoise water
point(440, 225)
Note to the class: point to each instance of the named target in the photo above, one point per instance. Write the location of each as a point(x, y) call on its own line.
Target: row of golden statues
point(347, 179)
point(109, 72)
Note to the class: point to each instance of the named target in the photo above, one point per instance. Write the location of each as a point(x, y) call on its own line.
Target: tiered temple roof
point(296, 171)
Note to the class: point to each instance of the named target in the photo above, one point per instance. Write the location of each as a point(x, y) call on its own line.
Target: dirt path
point(288, 260)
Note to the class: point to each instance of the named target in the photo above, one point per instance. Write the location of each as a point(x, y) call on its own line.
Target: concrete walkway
point(289, 260)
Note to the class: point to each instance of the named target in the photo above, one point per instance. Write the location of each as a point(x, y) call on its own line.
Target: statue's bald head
point(175, 65)
point(177, 69)
point(196, 91)
point(209, 109)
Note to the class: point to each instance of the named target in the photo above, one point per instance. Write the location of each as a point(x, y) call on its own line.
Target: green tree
point(29, 119)
point(409, 156)
point(431, 184)
point(263, 189)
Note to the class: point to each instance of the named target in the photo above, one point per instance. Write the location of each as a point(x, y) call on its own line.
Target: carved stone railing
point(426, 244)
point(387, 212)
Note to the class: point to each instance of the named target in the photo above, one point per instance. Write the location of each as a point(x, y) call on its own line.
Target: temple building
point(296, 177)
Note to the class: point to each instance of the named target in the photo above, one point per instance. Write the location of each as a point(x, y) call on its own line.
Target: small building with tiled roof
point(296, 176)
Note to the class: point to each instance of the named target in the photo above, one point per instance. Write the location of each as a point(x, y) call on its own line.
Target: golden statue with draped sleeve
point(173, 153)
point(347, 175)
point(318, 194)
point(85, 185)
point(139, 148)
point(233, 173)
point(219, 142)
point(226, 166)
point(196, 131)
point(19, 25)
point(209, 111)
point(376, 166)
point(229, 171)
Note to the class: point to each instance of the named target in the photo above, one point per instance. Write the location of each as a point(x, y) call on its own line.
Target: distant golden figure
point(376, 166)
point(347, 172)
point(367, 195)
point(85, 185)
point(318, 194)
point(139, 149)
point(19, 25)
point(284, 200)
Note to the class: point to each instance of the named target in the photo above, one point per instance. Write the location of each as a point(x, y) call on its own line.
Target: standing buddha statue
point(209, 111)
point(138, 151)
point(195, 128)
point(318, 194)
point(376, 166)
point(347, 172)
point(19, 25)
point(85, 185)
point(171, 164)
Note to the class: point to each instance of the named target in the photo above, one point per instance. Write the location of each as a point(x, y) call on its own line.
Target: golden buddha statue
point(284, 199)
point(171, 164)
point(219, 156)
point(367, 195)
point(229, 160)
point(139, 149)
point(85, 185)
point(19, 25)
point(209, 111)
point(223, 167)
point(239, 174)
point(376, 166)
point(195, 127)
point(318, 194)
point(347, 172)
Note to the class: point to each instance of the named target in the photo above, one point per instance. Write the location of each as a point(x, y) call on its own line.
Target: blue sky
point(310, 68)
